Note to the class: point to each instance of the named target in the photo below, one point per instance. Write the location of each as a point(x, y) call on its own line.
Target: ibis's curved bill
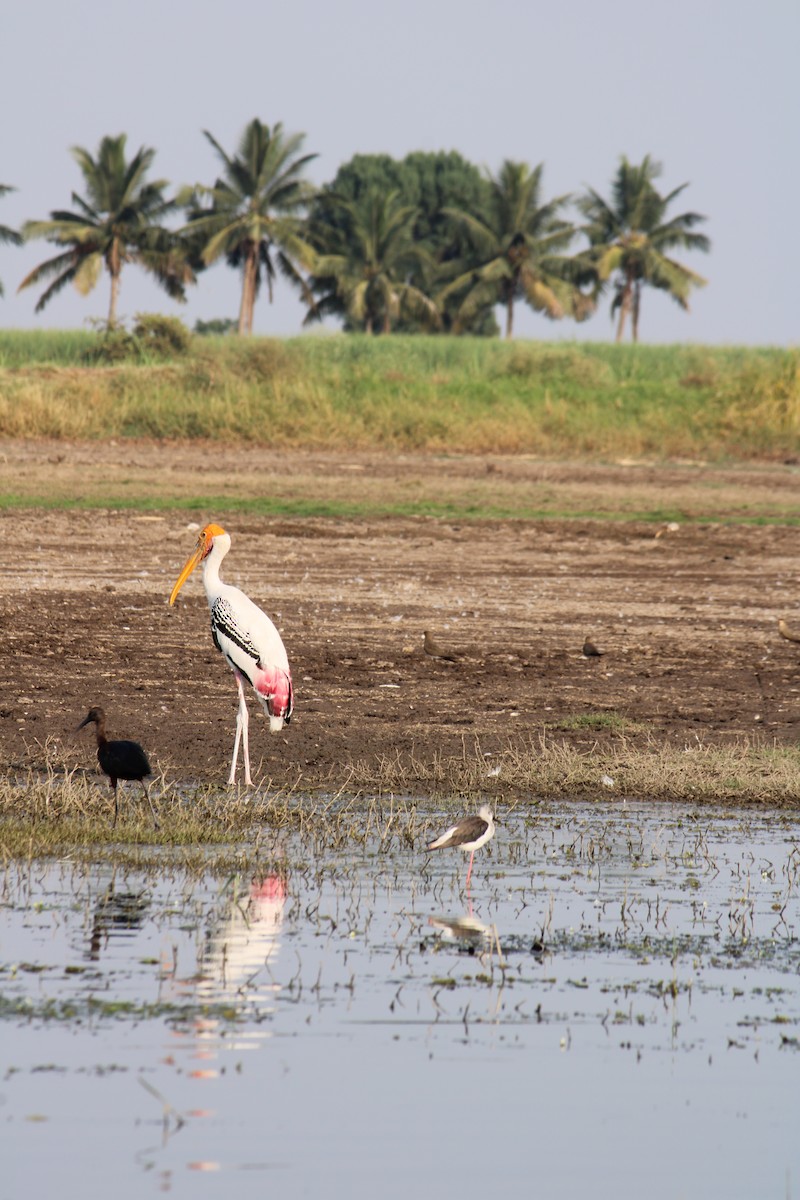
point(247, 639)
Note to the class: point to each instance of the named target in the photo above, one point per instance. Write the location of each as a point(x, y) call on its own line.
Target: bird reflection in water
point(239, 946)
point(233, 968)
point(468, 935)
point(467, 931)
point(115, 913)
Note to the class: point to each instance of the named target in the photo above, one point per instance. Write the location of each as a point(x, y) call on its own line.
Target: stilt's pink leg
point(469, 872)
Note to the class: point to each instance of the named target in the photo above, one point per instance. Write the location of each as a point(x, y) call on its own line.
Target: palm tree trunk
point(510, 316)
point(624, 307)
point(114, 300)
point(637, 297)
point(248, 301)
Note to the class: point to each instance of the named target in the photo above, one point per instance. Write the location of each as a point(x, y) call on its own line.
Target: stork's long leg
point(146, 791)
point(242, 724)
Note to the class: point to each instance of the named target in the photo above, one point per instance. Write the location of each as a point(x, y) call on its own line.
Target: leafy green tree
point(7, 235)
point(252, 217)
point(516, 251)
point(118, 222)
point(428, 183)
point(630, 237)
point(365, 261)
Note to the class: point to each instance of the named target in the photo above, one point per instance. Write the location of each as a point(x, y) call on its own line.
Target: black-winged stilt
point(469, 834)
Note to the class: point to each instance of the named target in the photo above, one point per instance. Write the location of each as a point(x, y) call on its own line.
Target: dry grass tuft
point(397, 803)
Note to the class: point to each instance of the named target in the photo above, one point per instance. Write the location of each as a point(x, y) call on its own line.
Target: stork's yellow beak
point(205, 540)
point(196, 557)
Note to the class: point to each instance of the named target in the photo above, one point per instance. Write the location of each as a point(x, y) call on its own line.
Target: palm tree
point(516, 244)
point(7, 235)
point(629, 236)
point(252, 217)
point(364, 262)
point(118, 223)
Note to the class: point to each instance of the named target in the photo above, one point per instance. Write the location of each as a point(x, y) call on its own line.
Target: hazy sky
point(707, 87)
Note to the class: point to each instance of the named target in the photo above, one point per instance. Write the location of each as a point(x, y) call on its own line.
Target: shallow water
point(614, 1009)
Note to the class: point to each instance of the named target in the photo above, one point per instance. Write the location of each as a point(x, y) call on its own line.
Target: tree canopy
point(366, 261)
point(517, 241)
point(252, 214)
point(389, 245)
point(118, 222)
point(7, 235)
point(427, 183)
point(629, 237)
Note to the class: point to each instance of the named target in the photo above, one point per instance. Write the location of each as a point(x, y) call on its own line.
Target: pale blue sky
point(707, 87)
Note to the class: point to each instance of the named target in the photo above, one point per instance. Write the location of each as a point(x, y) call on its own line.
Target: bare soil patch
point(686, 617)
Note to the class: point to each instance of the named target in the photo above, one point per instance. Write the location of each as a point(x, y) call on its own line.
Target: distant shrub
point(161, 335)
point(114, 344)
point(152, 336)
point(217, 326)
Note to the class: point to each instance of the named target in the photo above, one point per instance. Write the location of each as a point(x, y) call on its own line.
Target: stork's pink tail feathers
point(274, 689)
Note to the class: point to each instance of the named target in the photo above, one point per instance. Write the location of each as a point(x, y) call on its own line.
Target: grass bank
point(62, 810)
point(460, 395)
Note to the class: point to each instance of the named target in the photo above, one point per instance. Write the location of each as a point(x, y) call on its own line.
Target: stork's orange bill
point(205, 540)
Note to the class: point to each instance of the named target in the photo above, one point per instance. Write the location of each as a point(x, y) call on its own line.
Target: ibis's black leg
point(116, 803)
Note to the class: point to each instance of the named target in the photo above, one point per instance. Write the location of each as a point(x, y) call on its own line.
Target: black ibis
point(469, 834)
point(247, 639)
point(119, 759)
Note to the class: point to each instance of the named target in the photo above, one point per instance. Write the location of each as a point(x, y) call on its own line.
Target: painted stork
point(119, 759)
point(247, 639)
point(469, 834)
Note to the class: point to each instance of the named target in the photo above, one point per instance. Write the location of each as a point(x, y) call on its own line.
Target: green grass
point(267, 506)
point(55, 347)
point(457, 395)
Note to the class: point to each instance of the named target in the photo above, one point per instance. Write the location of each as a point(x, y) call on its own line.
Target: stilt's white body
point(248, 640)
point(468, 834)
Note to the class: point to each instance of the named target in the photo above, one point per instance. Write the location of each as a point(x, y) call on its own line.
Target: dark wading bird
point(590, 650)
point(119, 759)
point(432, 647)
point(247, 639)
point(468, 834)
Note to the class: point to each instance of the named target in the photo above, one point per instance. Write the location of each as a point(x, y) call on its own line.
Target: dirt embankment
point(686, 617)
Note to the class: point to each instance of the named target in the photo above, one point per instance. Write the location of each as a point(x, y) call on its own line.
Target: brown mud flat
point(686, 617)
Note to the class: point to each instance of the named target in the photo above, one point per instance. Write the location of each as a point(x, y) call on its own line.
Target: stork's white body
point(248, 640)
point(253, 649)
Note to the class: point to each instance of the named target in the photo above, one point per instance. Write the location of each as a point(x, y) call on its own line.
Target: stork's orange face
point(205, 540)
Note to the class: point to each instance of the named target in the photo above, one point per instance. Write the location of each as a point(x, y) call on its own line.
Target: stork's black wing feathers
point(223, 621)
